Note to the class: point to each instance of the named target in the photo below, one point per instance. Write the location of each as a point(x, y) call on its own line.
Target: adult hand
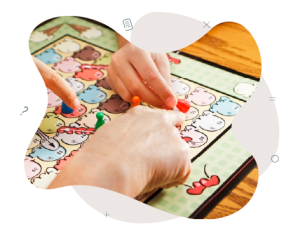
point(135, 72)
point(134, 154)
point(57, 84)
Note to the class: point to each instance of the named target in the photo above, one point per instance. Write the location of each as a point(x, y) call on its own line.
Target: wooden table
point(232, 46)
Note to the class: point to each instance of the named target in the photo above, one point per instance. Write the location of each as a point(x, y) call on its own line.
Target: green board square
point(174, 208)
point(222, 163)
point(171, 194)
point(162, 202)
point(183, 200)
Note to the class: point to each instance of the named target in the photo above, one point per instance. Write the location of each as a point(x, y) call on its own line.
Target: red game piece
point(136, 100)
point(183, 105)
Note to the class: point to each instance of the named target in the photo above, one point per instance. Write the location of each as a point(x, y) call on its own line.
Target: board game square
point(195, 172)
point(225, 79)
point(194, 205)
point(225, 145)
point(233, 168)
point(183, 200)
point(210, 81)
point(206, 73)
point(241, 160)
point(216, 76)
point(219, 84)
point(211, 158)
point(191, 74)
point(232, 139)
point(162, 202)
point(174, 208)
point(218, 151)
point(222, 163)
point(237, 150)
point(171, 194)
point(226, 175)
point(229, 156)
point(186, 214)
point(214, 170)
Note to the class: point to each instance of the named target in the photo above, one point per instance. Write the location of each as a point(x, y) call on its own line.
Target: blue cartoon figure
point(49, 56)
point(92, 95)
point(225, 106)
point(48, 155)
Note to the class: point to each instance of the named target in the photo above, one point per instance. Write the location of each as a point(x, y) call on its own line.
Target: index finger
point(57, 84)
point(150, 74)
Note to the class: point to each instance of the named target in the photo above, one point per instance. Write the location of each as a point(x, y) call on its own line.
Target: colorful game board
point(80, 51)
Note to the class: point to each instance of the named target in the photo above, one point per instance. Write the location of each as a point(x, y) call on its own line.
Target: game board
point(80, 51)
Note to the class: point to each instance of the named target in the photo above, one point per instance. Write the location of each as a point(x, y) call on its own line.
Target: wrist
point(102, 171)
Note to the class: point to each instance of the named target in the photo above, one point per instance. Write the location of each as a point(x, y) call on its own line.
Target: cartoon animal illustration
point(92, 95)
point(75, 84)
point(76, 113)
point(103, 83)
point(209, 121)
point(192, 113)
point(90, 119)
point(62, 162)
point(90, 33)
point(48, 155)
point(49, 56)
point(32, 168)
point(115, 104)
point(51, 122)
point(193, 137)
point(88, 53)
point(53, 99)
point(45, 179)
point(35, 141)
point(202, 184)
point(67, 46)
point(90, 72)
point(104, 60)
point(68, 65)
point(225, 106)
point(71, 135)
point(39, 36)
point(179, 86)
point(245, 89)
point(172, 59)
point(200, 97)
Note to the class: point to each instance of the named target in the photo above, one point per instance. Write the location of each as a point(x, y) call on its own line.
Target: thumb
point(57, 84)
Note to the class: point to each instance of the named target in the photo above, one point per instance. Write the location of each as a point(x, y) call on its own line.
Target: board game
point(80, 51)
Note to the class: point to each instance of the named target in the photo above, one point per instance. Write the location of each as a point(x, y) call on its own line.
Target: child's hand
point(132, 66)
point(57, 84)
point(134, 154)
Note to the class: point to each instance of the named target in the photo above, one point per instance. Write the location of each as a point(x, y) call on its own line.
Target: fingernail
point(76, 103)
point(171, 101)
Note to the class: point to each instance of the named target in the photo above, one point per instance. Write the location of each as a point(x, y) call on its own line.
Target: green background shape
point(223, 158)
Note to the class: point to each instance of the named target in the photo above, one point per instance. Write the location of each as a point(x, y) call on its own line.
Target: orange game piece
point(136, 100)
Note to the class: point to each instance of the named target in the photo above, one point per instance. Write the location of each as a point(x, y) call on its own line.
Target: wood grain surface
point(232, 46)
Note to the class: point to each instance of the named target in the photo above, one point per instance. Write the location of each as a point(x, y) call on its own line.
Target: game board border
point(237, 176)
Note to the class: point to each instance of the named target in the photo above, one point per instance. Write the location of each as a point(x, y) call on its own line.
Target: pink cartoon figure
point(200, 97)
point(53, 99)
point(90, 119)
point(68, 65)
point(90, 72)
point(32, 168)
point(193, 137)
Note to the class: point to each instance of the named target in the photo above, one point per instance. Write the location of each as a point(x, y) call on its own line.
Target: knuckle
point(149, 75)
point(134, 88)
point(114, 60)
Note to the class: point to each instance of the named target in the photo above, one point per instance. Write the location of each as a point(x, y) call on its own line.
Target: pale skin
point(148, 151)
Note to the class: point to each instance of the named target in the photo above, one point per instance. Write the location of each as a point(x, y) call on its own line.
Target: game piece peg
point(100, 121)
point(183, 105)
point(65, 109)
point(136, 100)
